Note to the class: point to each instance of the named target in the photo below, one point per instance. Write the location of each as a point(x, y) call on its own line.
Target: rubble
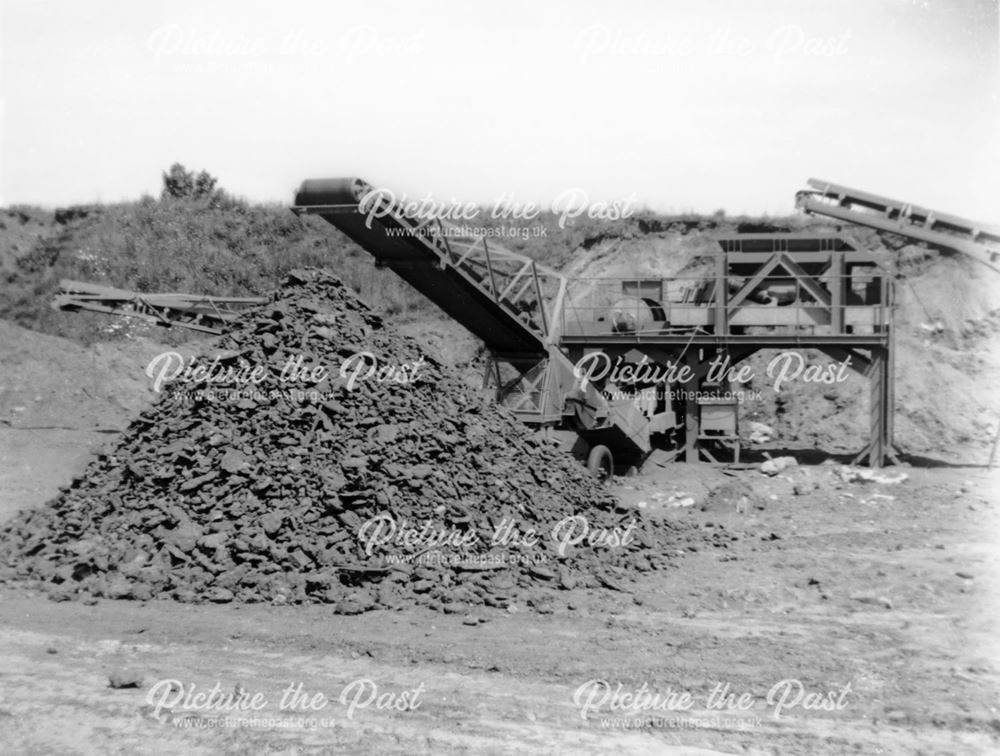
point(662, 499)
point(125, 678)
point(850, 474)
point(265, 494)
point(733, 495)
point(776, 465)
point(760, 433)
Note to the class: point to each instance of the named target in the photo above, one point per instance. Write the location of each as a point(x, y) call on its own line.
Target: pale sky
point(683, 106)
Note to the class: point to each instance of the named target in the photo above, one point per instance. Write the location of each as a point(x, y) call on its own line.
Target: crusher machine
point(545, 331)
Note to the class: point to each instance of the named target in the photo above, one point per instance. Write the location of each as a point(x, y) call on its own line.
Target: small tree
point(180, 183)
point(204, 185)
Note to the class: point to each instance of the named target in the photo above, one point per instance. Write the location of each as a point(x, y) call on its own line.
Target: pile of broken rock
point(316, 487)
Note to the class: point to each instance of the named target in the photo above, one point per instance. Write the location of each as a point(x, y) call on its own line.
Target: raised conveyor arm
point(506, 299)
point(512, 303)
point(950, 232)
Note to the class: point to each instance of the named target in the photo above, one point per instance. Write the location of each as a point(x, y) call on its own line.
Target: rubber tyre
point(600, 463)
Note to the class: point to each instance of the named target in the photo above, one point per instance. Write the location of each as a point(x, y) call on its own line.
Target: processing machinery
point(757, 291)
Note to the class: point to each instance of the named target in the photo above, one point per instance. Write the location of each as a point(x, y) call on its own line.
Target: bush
point(181, 184)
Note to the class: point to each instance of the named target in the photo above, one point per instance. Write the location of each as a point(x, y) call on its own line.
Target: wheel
point(600, 463)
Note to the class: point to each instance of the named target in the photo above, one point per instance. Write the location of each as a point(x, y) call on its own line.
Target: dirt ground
point(841, 617)
point(888, 588)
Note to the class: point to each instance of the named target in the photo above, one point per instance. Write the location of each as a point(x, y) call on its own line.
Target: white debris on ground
point(850, 474)
point(760, 433)
point(665, 499)
point(776, 465)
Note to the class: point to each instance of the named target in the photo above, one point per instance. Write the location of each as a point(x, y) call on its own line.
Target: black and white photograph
point(500, 378)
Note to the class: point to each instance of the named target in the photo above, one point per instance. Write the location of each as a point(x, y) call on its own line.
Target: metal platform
point(759, 291)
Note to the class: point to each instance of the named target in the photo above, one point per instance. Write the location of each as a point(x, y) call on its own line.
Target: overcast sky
point(683, 106)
